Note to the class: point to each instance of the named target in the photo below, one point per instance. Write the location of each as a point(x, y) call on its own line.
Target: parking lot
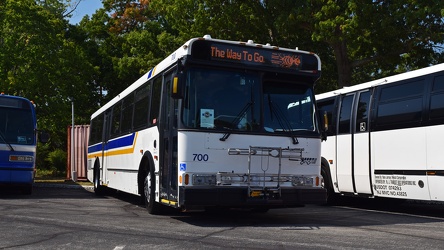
point(75, 218)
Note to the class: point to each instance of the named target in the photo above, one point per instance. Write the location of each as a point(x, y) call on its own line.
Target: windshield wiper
point(237, 119)
point(6, 142)
point(281, 119)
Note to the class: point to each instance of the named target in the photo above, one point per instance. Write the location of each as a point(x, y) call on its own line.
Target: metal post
point(73, 172)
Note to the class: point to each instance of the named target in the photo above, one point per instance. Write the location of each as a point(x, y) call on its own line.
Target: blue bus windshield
point(16, 124)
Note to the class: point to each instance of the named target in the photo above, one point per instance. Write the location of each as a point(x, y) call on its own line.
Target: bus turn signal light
point(187, 179)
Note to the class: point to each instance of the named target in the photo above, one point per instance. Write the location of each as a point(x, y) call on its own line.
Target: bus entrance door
point(344, 167)
point(168, 146)
point(361, 143)
point(353, 163)
point(103, 179)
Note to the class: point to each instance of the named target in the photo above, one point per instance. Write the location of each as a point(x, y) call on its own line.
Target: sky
point(85, 7)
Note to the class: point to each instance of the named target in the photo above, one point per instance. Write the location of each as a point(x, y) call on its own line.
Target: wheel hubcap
point(148, 187)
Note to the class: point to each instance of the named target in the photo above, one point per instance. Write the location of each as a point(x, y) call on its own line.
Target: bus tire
point(328, 184)
point(98, 189)
point(149, 190)
point(27, 190)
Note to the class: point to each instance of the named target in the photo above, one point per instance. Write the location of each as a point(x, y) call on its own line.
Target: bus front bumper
point(16, 175)
point(238, 197)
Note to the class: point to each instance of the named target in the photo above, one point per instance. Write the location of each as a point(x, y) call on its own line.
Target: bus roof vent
point(250, 42)
point(207, 37)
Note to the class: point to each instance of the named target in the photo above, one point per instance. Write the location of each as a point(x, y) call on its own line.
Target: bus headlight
point(302, 181)
point(204, 179)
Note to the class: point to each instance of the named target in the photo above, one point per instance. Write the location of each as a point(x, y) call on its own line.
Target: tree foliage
point(38, 61)
point(371, 39)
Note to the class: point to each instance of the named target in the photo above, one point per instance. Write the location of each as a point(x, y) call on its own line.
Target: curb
point(64, 186)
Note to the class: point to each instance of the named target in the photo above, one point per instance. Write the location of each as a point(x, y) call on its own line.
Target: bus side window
point(141, 106)
point(95, 135)
point(115, 122)
point(127, 113)
point(155, 100)
point(437, 100)
point(400, 106)
point(345, 115)
point(362, 112)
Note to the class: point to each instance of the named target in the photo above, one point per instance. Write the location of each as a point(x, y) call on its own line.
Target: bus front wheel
point(328, 185)
point(27, 190)
point(149, 190)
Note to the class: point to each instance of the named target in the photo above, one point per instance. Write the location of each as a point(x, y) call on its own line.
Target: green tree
point(40, 62)
point(371, 39)
point(124, 38)
point(257, 20)
point(357, 40)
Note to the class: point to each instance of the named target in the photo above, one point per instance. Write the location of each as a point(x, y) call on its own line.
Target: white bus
point(216, 124)
point(385, 137)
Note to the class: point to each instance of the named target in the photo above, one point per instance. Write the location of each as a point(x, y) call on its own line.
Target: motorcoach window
point(437, 99)
point(345, 114)
point(400, 105)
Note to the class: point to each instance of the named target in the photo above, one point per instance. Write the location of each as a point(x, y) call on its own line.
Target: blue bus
point(17, 142)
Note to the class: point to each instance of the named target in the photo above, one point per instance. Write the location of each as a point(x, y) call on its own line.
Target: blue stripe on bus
point(114, 144)
point(150, 73)
point(95, 148)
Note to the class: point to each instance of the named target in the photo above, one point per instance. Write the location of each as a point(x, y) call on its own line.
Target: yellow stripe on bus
point(116, 152)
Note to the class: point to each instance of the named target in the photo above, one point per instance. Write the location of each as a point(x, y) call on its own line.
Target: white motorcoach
point(385, 137)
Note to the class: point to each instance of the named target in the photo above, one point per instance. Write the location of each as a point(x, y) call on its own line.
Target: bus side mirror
point(324, 119)
point(43, 137)
point(177, 87)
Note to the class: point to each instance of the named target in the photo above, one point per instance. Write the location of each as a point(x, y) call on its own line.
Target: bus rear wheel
point(149, 190)
point(98, 189)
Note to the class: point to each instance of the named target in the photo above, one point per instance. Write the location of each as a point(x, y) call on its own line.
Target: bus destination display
point(254, 56)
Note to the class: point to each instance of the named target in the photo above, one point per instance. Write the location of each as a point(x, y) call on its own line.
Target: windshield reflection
point(288, 108)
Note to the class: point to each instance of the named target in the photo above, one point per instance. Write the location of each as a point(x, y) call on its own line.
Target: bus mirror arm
point(324, 135)
point(325, 127)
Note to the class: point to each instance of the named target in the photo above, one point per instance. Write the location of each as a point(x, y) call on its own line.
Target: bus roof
point(382, 81)
point(184, 50)
point(13, 104)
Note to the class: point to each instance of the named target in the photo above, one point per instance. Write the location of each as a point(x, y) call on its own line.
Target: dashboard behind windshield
point(16, 126)
point(239, 101)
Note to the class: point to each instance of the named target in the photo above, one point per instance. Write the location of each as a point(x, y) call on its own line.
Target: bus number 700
point(200, 157)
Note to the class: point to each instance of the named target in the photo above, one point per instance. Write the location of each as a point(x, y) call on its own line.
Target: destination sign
point(216, 51)
point(14, 103)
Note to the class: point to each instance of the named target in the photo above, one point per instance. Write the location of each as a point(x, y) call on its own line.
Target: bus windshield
point(239, 101)
point(16, 125)
point(288, 107)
